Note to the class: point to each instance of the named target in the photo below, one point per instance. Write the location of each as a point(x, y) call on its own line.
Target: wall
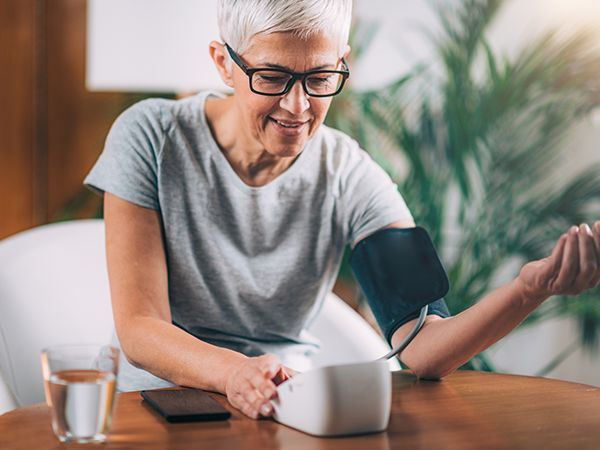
point(16, 117)
point(51, 129)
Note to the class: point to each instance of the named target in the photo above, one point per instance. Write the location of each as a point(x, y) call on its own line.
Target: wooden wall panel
point(16, 116)
point(52, 129)
point(78, 120)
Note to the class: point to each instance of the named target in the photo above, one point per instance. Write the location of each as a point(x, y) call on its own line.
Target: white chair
point(54, 290)
point(8, 398)
point(346, 336)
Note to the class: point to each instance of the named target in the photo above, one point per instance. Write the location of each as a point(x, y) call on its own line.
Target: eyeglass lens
point(274, 82)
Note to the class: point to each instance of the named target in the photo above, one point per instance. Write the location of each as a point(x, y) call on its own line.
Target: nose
point(296, 100)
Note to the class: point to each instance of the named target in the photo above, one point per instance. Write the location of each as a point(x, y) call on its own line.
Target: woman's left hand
point(573, 267)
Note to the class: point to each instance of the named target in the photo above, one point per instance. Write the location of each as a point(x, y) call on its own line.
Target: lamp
point(151, 46)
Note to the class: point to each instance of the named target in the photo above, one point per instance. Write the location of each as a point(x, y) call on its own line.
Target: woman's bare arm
point(139, 289)
point(443, 345)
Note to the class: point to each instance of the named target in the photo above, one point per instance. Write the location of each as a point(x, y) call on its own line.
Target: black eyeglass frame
point(295, 76)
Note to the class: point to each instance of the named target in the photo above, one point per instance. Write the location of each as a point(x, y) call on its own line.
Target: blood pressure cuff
point(399, 272)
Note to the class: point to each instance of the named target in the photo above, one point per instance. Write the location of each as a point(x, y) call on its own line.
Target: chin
point(286, 149)
point(288, 152)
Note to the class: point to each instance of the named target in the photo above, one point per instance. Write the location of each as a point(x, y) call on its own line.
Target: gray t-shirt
point(248, 267)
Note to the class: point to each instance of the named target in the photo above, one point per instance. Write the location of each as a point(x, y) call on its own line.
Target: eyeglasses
point(274, 82)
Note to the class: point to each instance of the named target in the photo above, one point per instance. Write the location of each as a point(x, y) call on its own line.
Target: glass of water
point(80, 383)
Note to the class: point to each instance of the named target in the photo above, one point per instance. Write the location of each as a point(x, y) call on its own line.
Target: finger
point(249, 410)
point(255, 400)
point(242, 395)
point(263, 388)
point(569, 263)
point(557, 254)
point(269, 366)
point(284, 374)
point(596, 233)
point(256, 403)
point(238, 401)
point(250, 401)
point(553, 264)
point(290, 372)
point(250, 388)
point(588, 261)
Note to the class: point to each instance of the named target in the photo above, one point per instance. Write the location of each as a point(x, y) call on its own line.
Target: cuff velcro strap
point(399, 272)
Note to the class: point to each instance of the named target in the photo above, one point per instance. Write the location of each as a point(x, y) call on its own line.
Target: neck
point(256, 169)
point(251, 162)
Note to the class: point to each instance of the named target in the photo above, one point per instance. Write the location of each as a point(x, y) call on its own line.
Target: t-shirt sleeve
point(371, 201)
point(369, 198)
point(128, 166)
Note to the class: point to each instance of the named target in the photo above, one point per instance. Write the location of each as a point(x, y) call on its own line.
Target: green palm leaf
point(478, 151)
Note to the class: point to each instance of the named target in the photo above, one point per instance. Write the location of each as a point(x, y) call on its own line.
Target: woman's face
point(282, 125)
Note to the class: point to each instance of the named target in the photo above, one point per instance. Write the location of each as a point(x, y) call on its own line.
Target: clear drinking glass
point(80, 383)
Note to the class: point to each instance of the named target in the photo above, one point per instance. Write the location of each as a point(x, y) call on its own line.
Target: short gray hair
point(241, 20)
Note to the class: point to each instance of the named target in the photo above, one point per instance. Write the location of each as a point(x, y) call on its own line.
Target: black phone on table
point(186, 405)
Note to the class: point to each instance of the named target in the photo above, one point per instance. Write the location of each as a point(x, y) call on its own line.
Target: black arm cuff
point(399, 272)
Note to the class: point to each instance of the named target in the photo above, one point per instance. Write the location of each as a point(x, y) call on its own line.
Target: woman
point(226, 219)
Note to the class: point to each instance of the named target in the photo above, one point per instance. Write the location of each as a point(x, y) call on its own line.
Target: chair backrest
point(53, 290)
point(346, 336)
point(8, 398)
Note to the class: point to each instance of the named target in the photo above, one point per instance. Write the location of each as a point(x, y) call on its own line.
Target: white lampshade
point(162, 45)
point(151, 45)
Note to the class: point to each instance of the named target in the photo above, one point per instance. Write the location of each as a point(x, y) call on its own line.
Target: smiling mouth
point(288, 125)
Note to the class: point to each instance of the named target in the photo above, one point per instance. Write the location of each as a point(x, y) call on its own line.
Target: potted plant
point(476, 144)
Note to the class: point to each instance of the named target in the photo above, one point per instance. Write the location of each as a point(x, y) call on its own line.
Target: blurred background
point(486, 114)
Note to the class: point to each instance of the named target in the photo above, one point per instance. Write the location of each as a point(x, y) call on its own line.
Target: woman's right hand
point(252, 386)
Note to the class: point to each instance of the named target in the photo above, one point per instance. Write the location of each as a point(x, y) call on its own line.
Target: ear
point(347, 51)
point(218, 53)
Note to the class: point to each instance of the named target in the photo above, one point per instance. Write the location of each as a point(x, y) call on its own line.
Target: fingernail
point(586, 228)
point(597, 226)
point(254, 414)
point(265, 410)
point(573, 230)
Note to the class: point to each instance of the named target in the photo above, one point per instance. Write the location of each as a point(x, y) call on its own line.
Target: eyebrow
point(278, 67)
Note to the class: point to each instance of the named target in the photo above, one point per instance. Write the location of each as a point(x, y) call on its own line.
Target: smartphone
point(186, 405)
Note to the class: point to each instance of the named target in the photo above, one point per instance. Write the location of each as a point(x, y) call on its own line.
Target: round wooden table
point(466, 410)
